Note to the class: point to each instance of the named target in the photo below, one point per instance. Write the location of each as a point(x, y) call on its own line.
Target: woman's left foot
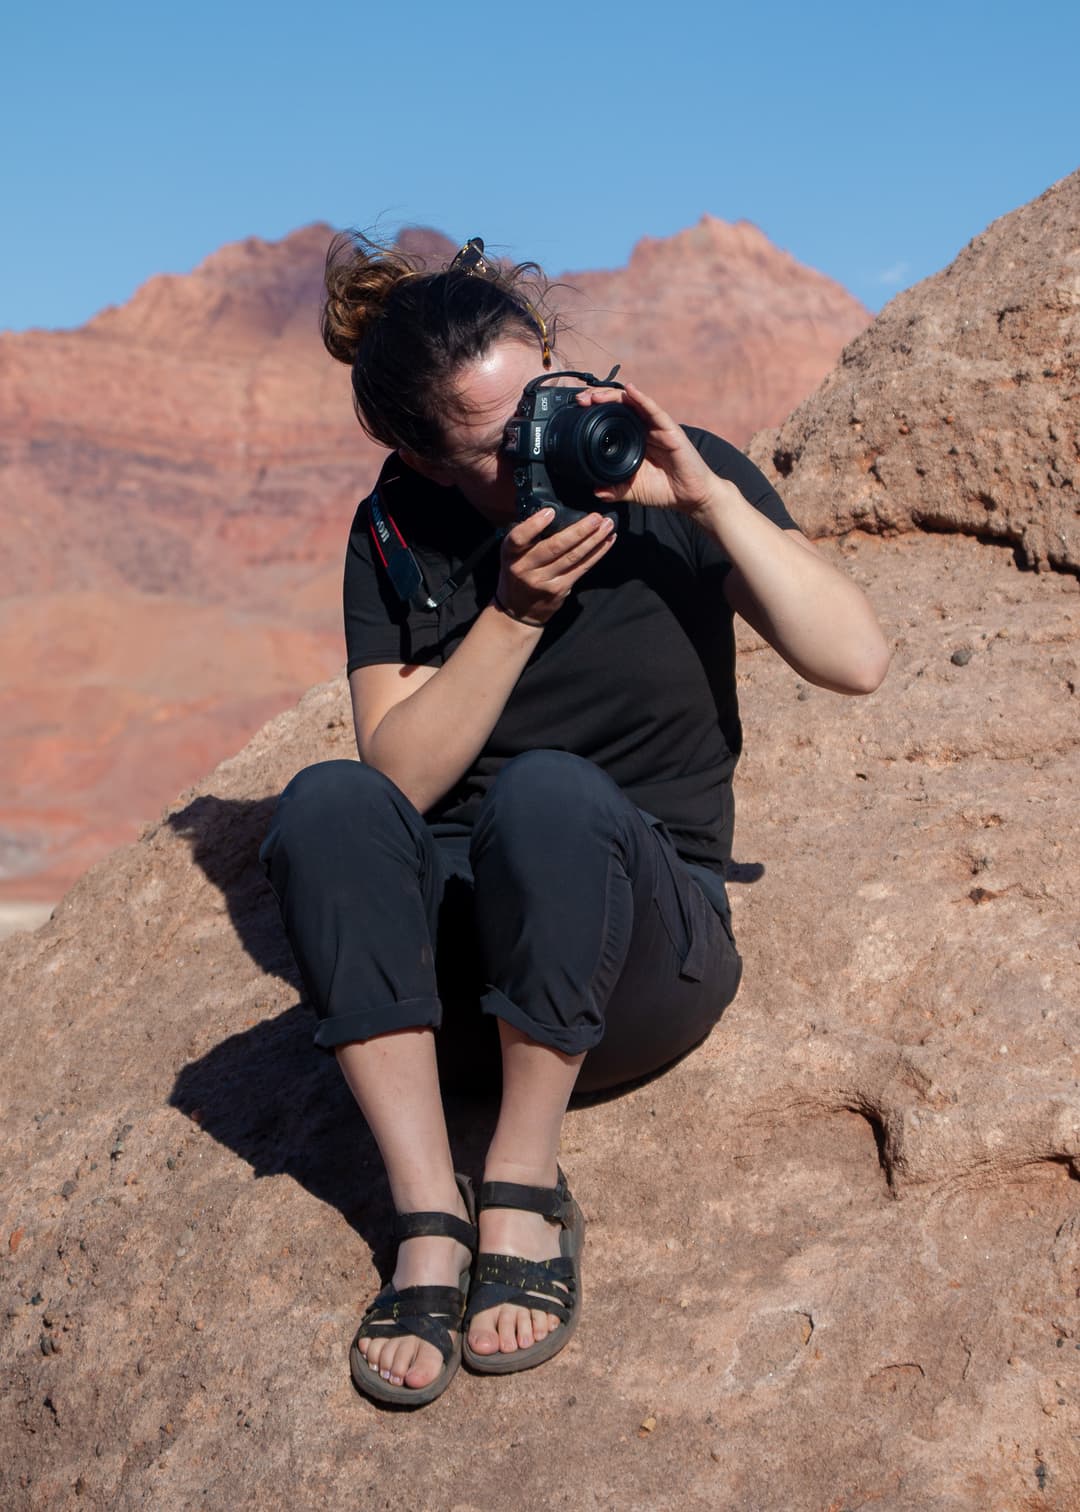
point(505, 1329)
point(524, 1303)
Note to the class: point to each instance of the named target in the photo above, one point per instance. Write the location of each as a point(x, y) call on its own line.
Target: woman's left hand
point(673, 475)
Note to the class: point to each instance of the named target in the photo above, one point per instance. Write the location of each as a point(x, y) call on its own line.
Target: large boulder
point(833, 1255)
point(959, 409)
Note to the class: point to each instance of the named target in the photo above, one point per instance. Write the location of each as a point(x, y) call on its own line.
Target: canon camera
point(562, 451)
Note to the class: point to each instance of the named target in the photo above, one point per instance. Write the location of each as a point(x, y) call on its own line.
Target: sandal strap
point(546, 1285)
point(444, 1225)
point(550, 1202)
point(416, 1310)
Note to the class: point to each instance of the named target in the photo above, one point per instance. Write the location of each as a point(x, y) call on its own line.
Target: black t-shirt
point(636, 671)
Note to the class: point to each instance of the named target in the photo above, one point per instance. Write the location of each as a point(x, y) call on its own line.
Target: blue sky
point(870, 141)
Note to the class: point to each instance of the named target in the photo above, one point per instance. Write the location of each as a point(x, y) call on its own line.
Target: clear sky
point(871, 141)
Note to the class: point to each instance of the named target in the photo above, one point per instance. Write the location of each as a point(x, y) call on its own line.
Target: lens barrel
point(593, 447)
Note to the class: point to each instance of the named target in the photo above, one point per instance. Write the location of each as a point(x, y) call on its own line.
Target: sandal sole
point(372, 1385)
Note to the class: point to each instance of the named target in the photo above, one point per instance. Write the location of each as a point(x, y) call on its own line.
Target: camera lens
point(592, 448)
point(613, 447)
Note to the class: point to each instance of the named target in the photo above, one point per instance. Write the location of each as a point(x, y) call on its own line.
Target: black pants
point(566, 912)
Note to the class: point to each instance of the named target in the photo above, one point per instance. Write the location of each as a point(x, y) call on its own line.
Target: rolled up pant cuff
point(369, 1023)
point(570, 1041)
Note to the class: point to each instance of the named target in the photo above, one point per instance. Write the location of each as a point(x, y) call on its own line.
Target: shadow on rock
point(267, 1093)
point(225, 835)
point(283, 1106)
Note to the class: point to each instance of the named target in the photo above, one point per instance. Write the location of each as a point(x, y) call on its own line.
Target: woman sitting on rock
point(537, 829)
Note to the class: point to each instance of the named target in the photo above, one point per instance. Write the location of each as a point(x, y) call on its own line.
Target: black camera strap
point(404, 570)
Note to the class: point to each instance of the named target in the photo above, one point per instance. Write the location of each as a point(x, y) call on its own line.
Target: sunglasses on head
point(470, 259)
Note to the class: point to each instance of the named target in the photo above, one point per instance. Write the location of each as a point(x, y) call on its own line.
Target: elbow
point(861, 670)
point(867, 672)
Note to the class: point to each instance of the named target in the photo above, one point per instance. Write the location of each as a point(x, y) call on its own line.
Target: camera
point(562, 450)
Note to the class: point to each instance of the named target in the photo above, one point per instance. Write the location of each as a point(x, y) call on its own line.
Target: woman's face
point(488, 391)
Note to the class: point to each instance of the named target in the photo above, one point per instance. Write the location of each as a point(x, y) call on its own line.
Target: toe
point(425, 1367)
point(398, 1361)
point(507, 1329)
point(542, 1323)
point(483, 1339)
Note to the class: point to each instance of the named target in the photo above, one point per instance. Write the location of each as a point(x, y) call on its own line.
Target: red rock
point(959, 409)
point(717, 323)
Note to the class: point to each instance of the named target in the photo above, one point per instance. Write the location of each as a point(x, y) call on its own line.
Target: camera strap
point(404, 570)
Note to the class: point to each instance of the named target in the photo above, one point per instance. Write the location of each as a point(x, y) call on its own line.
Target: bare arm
point(819, 621)
point(424, 726)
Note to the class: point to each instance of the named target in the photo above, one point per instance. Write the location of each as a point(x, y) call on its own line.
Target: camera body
point(563, 451)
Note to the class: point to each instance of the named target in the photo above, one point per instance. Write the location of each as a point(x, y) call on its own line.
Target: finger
point(650, 409)
point(551, 548)
point(522, 535)
point(568, 578)
point(575, 550)
point(602, 396)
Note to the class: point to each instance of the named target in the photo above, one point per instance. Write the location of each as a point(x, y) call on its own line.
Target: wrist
point(708, 511)
point(512, 614)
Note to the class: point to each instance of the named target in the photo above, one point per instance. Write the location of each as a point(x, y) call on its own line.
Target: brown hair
point(405, 332)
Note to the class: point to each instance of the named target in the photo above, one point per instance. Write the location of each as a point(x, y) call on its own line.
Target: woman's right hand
point(536, 576)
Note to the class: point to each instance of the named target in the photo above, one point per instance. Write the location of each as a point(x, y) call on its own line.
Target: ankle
point(427, 1195)
point(540, 1172)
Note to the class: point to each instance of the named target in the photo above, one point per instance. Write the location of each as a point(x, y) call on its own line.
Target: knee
point(324, 798)
point(546, 793)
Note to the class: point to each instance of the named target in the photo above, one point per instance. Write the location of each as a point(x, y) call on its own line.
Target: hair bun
point(360, 277)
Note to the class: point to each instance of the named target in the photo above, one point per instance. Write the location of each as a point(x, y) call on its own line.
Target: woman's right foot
point(430, 1260)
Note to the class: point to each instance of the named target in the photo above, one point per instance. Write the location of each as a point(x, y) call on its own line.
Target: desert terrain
point(833, 1256)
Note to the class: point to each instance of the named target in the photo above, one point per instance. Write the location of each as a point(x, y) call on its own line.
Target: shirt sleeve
point(729, 462)
point(379, 629)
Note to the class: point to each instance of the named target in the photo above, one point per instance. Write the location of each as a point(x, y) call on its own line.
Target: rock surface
point(833, 1255)
point(959, 409)
point(188, 465)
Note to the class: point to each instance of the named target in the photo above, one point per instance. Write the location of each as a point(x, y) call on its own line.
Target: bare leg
point(395, 1080)
point(537, 1083)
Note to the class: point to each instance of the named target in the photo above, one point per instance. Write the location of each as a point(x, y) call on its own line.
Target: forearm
point(428, 740)
point(819, 621)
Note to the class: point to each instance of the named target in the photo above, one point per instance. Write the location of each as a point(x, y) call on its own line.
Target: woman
point(547, 727)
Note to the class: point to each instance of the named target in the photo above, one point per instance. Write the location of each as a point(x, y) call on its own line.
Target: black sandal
point(427, 1312)
point(551, 1286)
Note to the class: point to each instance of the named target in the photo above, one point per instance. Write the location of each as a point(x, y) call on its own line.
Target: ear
point(430, 470)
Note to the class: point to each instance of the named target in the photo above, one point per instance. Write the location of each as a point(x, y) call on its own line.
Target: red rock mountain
point(716, 321)
point(177, 479)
